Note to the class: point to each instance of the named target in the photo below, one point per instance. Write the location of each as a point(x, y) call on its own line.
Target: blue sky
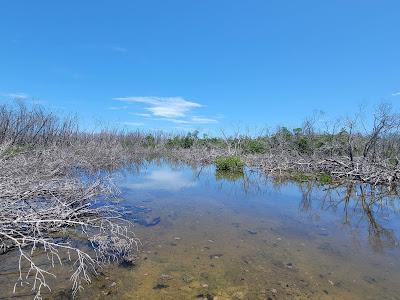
point(209, 64)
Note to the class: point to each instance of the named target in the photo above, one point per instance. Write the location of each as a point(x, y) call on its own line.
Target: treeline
point(20, 125)
point(356, 149)
point(351, 143)
point(351, 138)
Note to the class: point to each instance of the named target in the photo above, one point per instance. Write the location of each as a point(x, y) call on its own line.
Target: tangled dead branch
point(340, 168)
point(47, 206)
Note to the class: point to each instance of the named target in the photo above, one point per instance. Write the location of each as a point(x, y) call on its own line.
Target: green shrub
point(185, 142)
point(180, 142)
point(210, 141)
point(173, 143)
point(229, 163)
point(150, 141)
point(302, 145)
point(302, 177)
point(325, 178)
point(297, 131)
point(253, 146)
point(285, 133)
point(321, 178)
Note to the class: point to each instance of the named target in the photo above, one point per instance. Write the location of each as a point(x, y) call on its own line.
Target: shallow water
point(252, 237)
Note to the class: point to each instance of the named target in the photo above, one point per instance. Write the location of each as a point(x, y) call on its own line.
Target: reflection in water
point(247, 236)
point(361, 205)
point(228, 175)
point(375, 206)
point(168, 180)
point(362, 208)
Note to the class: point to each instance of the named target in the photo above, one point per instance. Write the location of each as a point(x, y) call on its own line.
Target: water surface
point(252, 237)
point(208, 235)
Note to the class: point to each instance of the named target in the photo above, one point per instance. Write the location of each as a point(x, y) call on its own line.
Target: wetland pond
point(206, 235)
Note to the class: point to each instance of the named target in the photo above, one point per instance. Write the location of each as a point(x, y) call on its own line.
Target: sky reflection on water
point(367, 214)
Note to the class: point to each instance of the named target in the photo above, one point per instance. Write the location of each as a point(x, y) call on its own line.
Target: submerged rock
point(147, 221)
point(160, 286)
point(128, 261)
point(289, 265)
point(369, 279)
point(205, 296)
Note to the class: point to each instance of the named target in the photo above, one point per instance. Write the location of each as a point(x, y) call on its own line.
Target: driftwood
point(339, 168)
point(43, 200)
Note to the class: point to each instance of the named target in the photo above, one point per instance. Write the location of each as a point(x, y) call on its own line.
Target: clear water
point(252, 237)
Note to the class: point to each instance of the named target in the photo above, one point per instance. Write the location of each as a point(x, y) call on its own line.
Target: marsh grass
point(229, 164)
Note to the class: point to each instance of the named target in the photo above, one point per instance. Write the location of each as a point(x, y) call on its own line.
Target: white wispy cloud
point(142, 115)
point(118, 107)
point(191, 120)
point(176, 110)
point(135, 124)
point(16, 96)
point(202, 120)
point(396, 94)
point(165, 107)
point(176, 121)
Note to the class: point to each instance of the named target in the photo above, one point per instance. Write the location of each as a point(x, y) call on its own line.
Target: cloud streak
point(202, 120)
point(396, 94)
point(172, 109)
point(16, 96)
point(191, 120)
point(165, 107)
point(134, 124)
point(118, 107)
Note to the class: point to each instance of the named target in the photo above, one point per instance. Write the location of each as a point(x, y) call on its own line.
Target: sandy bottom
point(210, 252)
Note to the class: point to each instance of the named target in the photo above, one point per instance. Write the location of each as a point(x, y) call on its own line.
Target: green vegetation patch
point(254, 146)
point(325, 178)
point(12, 151)
point(185, 142)
point(149, 141)
point(229, 163)
point(302, 177)
point(321, 178)
point(180, 142)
